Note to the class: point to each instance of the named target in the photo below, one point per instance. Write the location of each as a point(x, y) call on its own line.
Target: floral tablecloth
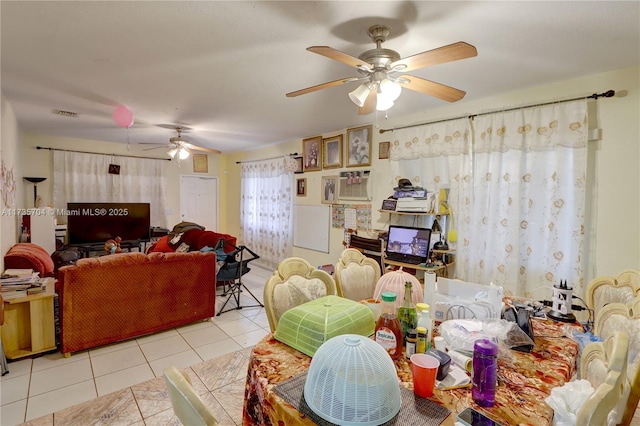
point(523, 383)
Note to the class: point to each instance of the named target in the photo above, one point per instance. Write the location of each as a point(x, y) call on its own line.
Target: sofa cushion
point(191, 238)
point(29, 256)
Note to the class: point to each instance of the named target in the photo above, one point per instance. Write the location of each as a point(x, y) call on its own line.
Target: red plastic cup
point(425, 369)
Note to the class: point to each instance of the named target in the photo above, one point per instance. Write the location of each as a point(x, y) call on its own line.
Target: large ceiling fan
point(382, 72)
point(181, 147)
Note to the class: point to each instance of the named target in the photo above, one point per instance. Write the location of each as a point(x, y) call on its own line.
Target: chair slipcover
point(295, 282)
point(356, 275)
point(606, 364)
point(624, 317)
point(604, 290)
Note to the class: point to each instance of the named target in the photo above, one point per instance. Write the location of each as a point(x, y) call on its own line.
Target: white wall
point(613, 205)
point(10, 154)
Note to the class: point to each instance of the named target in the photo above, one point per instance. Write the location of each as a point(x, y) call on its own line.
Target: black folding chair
point(229, 276)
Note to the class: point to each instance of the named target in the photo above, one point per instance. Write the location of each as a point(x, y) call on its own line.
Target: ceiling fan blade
point(431, 88)
point(321, 86)
point(339, 56)
point(369, 104)
point(157, 147)
point(201, 148)
point(451, 52)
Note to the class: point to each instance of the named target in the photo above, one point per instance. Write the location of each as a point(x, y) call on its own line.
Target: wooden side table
point(29, 324)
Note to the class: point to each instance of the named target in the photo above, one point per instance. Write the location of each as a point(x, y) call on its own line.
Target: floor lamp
point(35, 181)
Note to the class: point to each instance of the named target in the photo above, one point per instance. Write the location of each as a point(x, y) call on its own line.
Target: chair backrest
point(187, 404)
point(356, 275)
point(629, 276)
point(459, 312)
point(606, 364)
point(624, 317)
point(295, 282)
point(370, 247)
point(604, 290)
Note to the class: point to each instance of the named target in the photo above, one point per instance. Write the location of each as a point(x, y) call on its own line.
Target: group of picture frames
point(328, 153)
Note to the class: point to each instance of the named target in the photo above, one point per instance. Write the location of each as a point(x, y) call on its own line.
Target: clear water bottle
point(484, 375)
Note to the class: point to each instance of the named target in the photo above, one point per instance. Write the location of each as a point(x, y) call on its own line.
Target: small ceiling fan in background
point(181, 147)
point(382, 72)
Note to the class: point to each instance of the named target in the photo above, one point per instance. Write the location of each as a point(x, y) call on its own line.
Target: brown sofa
point(111, 298)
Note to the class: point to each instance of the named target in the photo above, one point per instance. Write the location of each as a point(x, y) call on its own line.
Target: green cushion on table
point(305, 327)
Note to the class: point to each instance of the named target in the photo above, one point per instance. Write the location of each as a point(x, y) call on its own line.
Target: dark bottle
point(407, 312)
point(484, 374)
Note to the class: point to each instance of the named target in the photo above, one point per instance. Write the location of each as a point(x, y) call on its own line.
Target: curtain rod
point(100, 153)
point(607, 94)
point(265, 159)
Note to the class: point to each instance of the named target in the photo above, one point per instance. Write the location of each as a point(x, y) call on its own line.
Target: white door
point(199, 201)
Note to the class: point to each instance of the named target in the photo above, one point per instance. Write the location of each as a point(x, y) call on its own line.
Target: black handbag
point(522, 317)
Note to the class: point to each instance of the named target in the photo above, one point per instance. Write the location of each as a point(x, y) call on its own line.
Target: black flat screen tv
point(91, 223)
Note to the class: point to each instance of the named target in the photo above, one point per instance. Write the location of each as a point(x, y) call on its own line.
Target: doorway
point(199, 201)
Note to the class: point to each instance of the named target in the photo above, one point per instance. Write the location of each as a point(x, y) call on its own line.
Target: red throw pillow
point(162, 245)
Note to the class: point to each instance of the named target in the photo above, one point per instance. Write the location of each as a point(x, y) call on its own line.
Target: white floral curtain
point(266, 208)
point(436, 156)
point(81, 177)
point(525, 225)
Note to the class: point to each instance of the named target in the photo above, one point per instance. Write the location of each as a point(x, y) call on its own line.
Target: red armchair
point(29, 256)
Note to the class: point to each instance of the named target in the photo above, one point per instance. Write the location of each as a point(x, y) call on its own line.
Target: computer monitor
point(408, 244)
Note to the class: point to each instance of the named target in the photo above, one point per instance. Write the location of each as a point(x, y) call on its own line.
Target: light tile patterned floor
point(122, 383)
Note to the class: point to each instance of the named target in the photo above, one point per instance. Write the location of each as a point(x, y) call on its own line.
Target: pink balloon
point(123, 117)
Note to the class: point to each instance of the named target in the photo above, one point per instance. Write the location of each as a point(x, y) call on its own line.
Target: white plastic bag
point(566, 400)
point(460, 334)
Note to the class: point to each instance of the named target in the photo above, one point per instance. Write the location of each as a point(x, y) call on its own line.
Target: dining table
point(525, 379)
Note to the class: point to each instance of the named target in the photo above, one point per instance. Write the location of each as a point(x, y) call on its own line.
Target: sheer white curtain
point(525, 226)
point(266, 208)
point(80, 177)
point(436, 156)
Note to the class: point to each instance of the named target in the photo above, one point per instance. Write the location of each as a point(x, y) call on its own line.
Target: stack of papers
point(457, 378)
point(20, 282)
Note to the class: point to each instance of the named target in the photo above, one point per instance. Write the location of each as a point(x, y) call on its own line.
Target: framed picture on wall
point(312, 153)
point(300, 168)
point(200, 163)
point(332, 149)
point(359, 146)
point(383, 150)
point(301, 187)
point(329, 189)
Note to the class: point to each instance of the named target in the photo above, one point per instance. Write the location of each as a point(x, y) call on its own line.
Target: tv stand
point(126, 246)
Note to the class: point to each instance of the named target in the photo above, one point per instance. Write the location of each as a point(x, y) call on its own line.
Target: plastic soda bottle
point(388, 331)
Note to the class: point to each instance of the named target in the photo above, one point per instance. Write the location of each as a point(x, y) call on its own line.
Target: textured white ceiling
point(223, 68)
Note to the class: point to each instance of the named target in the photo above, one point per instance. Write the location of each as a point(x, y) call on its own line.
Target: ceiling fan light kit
point(360, 94)
point(179, 146)
point(379, 67)
point(183, 153)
